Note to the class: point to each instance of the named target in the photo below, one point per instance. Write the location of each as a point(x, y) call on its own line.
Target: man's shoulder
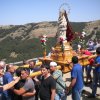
point(29, 80)
point(77, 66)
point(58, 72)
point(36, 69)
point(7, 74)
point(29, 83)
point(97, 58)
point(51, 79)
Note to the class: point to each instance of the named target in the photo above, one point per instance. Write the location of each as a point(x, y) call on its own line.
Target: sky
point(19, 12)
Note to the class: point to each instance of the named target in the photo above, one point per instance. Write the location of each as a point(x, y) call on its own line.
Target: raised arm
point(11, 84)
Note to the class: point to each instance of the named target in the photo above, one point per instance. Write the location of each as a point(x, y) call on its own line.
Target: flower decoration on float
point(61, 41)
point(43, 40)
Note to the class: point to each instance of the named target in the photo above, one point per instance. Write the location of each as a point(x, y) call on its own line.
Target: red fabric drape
point(69, 33)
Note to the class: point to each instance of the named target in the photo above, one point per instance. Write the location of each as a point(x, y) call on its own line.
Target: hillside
point(93, 30)
point(19, 42)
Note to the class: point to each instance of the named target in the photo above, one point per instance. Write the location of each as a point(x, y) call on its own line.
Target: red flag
point(69, 33)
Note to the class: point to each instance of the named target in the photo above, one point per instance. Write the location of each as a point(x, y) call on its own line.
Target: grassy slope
point(28, 48)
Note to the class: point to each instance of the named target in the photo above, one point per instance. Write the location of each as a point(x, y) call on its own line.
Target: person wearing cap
point(60, 84)
point(76, 84)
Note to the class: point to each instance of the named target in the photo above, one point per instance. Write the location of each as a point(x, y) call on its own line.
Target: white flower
point(43, 40)
point(83, 34)
point(62, 38)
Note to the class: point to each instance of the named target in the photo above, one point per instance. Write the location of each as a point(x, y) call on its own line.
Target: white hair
point(2, 63)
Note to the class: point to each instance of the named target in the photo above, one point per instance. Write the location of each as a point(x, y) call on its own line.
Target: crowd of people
point(93, 45)
point(16, 84)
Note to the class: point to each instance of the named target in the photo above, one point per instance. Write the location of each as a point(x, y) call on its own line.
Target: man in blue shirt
point(96, 75)
point(77, 79)
point(9, 85)
point(7, 78)
point(2, 70)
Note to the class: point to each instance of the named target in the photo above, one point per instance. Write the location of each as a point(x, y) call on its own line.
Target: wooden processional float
point(63, 52)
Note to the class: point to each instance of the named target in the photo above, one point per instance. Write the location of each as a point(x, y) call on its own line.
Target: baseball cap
point(53, 64)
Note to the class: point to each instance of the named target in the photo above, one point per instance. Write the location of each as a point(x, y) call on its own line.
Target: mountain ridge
point(19, 42)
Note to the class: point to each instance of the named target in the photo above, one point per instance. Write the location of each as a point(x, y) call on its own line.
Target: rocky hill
point(93, 29)
point(19, 42)
point(33, 30)
point(28, 31)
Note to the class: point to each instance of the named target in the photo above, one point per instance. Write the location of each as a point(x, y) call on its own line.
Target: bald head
point(10, 68)
point(2, 66)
